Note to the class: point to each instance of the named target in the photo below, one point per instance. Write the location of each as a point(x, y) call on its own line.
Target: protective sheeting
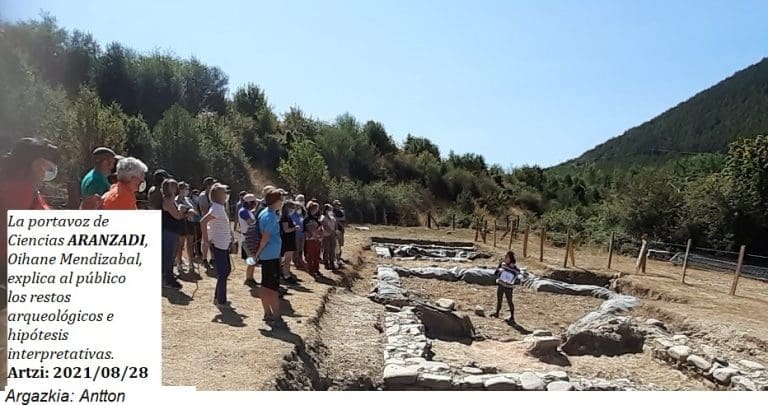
point(387, 289)
point(614, 302)
point(432, 252)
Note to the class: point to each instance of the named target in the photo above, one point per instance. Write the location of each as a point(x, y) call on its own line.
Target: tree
point(305, 170)
point(160, 85)
point(378, 137)
point(178, 144)
point(115, 78)
point(298, 126)
point(138, 140)
point(417, 146)
point(250, 100)
point(205, 88)
point(91, 125)
point(469, 161)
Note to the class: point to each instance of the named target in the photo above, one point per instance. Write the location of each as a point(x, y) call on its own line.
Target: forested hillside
point(735, 108)
point(181, 115)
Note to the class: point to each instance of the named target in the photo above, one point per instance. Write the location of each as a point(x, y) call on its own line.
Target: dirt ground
point(552, 312)
point(235, 350)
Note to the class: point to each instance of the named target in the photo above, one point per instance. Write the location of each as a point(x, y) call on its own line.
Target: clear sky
point(520, 82)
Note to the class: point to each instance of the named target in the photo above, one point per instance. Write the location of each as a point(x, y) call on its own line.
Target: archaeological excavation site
point(417, 314)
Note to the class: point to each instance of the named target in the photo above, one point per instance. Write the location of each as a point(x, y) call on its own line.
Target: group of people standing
point(195, 223)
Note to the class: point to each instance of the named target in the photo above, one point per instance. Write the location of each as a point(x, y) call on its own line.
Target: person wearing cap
point(96, 181)
point(268, 253)
point(203, 206)
point(341, 227)
point(155, 195)
point(23, 170)
point(217, 234)
point(130, 180)
point(246, 218)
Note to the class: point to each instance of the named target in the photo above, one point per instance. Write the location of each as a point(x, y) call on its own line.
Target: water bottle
point(250, 261)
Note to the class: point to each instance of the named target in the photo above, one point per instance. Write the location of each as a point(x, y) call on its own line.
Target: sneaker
point(290, 280)
point(251, 283)
point(276, 322)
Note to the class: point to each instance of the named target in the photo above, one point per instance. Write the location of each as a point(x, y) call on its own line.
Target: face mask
point(142, 186)
point(51, 173)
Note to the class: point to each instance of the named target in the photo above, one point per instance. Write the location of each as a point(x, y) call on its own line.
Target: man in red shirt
point(130, 180)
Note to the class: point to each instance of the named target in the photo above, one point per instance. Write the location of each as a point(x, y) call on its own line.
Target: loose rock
point(724, 374)
point(743, 383)
point(699, 362)
point(560, 386)
point(557, 375)
point(472, 370)
point(541, 332)
point(751, 365)
point(602, 333)
point(435, 381)
point(679, 353)
point(531, 382)
point(479, 311)
point(473, 381)
point(446, 304)
point(542, 345)
point(655, 322)
point(398, 375)
point(501, 384)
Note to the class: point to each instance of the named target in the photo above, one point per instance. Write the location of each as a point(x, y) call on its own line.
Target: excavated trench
point(344, 349)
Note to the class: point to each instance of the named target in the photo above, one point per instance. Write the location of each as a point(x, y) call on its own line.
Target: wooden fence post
point(567, 248)
point(385, 215)
point(477, 228)
point(429, 219)
point(494, 231)
point(525, 241)
point(485, 231)
point(509, 244)
point(610, 249)
point(573, 248)
point(738, 270)
point(453, 222)
point(542, 238)
point(685, 259)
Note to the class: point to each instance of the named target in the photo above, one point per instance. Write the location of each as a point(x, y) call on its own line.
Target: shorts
point(270, 274)
point(288, 245)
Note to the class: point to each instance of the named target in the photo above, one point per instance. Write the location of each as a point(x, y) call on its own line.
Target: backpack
point(253, 234)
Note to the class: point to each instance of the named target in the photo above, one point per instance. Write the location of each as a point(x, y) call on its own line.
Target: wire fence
point(752, 266)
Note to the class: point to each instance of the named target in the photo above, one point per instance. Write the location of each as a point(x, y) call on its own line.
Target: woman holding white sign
point(507, 275)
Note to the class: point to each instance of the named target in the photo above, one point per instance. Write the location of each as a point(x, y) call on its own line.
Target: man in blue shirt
point(268, 254)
